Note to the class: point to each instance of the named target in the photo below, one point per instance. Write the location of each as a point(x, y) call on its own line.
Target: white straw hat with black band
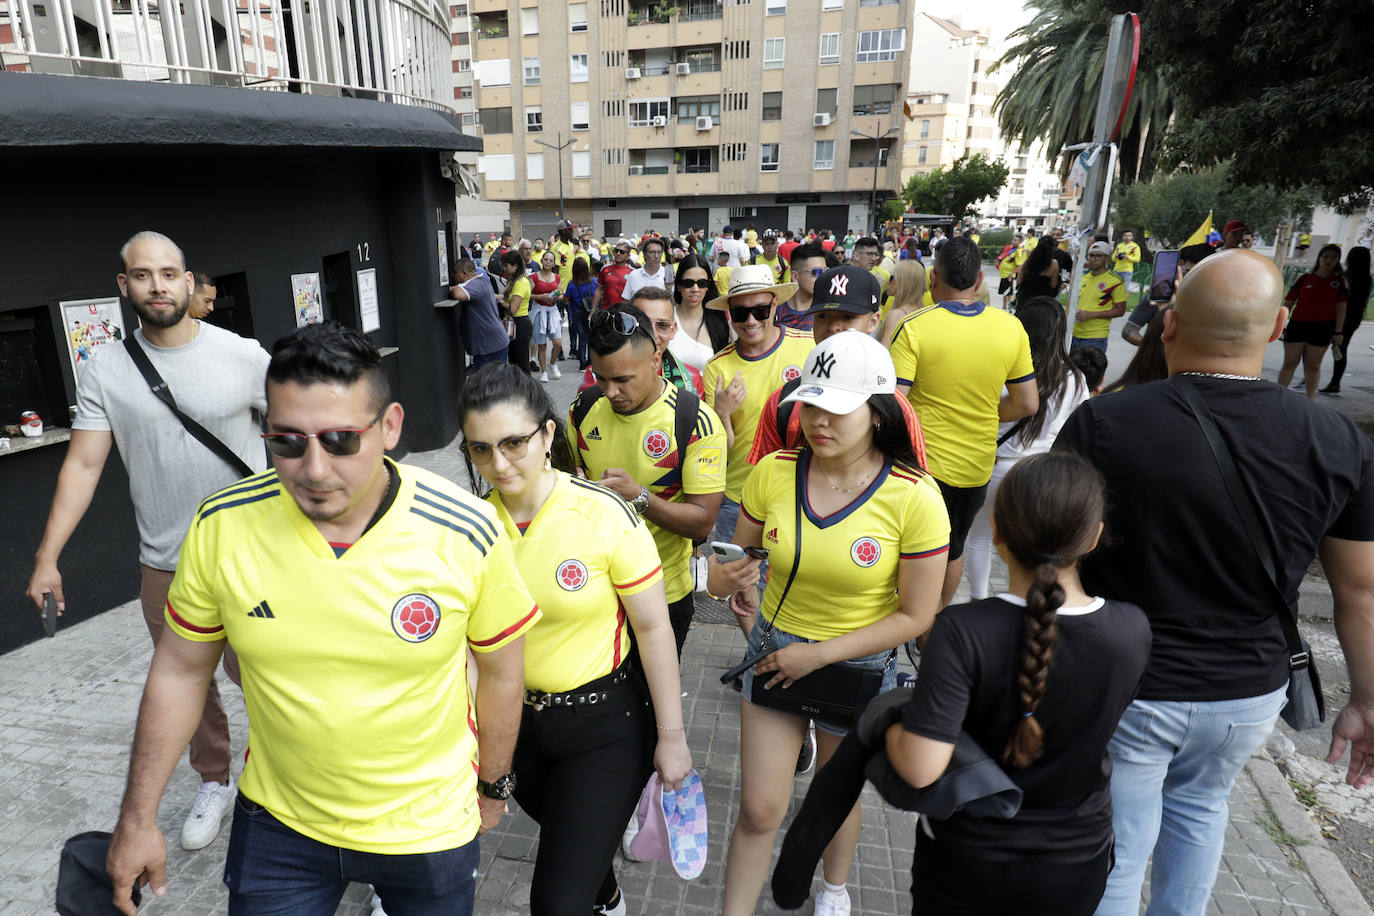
point(752, 278)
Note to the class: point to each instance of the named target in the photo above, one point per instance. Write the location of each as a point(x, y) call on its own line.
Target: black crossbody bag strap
point(796, 549)
point(1297, 656)
point(164, 394)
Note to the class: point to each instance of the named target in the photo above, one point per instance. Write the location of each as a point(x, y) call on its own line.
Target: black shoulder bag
point(835, 693)
point(1306, 707)
point(164, 394)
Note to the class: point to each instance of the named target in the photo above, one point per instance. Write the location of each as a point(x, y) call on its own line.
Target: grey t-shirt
point(218, 380)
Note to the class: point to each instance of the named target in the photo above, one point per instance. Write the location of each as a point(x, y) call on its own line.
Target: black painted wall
point(262, 213)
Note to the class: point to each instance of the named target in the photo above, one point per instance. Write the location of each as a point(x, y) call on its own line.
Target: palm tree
point(1056, 62)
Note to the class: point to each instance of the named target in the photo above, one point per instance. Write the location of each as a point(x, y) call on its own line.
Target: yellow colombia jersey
point(1099, 293)
point(852, 552)
point(781, 272)
point(521, 287)
point(362, 733)
point(643, 445)
point(564, 253)
point(1126, 255)
point(763, 375)
point(584, 549)
point(1007, 266)
point(722, 278)
point(956, 357)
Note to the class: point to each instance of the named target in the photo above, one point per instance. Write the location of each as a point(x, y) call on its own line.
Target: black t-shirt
point(1174, 543)
point(967, 682)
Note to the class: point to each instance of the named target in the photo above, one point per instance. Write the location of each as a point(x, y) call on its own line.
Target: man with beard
point(217, 379)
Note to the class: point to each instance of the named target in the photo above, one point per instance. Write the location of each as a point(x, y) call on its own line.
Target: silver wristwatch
point(641, 502)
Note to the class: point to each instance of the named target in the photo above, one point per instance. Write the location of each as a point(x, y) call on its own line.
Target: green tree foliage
point(891, 209)
point(1172, 207)
point(1057, 60)
point(1283, 89)
point(970, 178)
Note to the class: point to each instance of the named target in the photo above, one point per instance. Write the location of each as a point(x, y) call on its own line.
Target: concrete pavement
point(67, 706)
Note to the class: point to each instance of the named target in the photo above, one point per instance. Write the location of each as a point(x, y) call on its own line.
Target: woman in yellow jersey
point(905, 294)
point(587, 734)
point(518, 293)
point(857, 536)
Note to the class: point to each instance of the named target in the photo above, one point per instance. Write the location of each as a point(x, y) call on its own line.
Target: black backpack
point(684, 418)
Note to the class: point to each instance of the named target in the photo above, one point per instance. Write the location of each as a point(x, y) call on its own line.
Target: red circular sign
point(865, 552)
point(657, 443)
point(571, 575)
point(790, 373)
point(415, 618)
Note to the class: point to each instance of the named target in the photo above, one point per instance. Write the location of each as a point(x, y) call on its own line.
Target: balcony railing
point(699, 11)
point(391, 50)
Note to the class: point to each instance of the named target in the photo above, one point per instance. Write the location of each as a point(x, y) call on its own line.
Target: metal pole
point(558, 149)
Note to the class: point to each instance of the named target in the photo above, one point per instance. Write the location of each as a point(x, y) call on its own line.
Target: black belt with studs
point(541, 699)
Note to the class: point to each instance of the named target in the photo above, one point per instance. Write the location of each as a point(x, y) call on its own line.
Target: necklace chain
point(831, 483)
point(1224, 375)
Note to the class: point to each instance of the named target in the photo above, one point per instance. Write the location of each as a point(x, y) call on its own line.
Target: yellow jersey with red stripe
point(362, 732)
point(782, 271)
point(763, 374)
point(956, 356)
point(584, 549)
point(520, 287)
point(644, 445)
point(853, 552)
point(1099, 293)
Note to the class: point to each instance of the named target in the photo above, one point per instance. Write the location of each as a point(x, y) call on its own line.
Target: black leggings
point(946, 883)
point(579, 772)
point(520, 346)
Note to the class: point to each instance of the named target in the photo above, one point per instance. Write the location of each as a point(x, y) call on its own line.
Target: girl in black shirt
point(1039, 677)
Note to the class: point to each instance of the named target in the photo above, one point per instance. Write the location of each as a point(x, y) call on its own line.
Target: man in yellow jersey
point(868, 255)
point(564, 250)
point(1126, 256)
point(739, 379)
point(353, 589)
point(626, 434)
point(772, 260)
point(952, 360)
point(1101, 298)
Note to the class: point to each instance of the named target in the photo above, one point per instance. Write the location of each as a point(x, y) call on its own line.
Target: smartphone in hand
point(50, 613)
point(1165, 276)
point(726, 552)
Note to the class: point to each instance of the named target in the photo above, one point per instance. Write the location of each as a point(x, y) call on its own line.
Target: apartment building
point(629, 115)
point(475, 214)
point(952, 87)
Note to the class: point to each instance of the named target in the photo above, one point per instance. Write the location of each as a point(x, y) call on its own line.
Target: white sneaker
point(376, 903)
point(617, 910)
point(544, 377)
point(828, 904)
point(557, 373)
point(631, 831)
point(213, 801)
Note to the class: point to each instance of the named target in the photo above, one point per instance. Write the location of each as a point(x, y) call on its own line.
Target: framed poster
point(367, 300)
point(443, 257)
point(88, 325)
point(305, 293)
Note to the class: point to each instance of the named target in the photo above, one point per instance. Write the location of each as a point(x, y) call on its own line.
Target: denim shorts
point(548, 324)
point(885, 661)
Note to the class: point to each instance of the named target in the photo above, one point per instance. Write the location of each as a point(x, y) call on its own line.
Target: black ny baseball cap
point(847, 288)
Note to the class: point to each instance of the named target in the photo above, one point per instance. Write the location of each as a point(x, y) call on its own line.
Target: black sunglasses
point(338, 442)
point(739, 314)
point(702, 283)
point(623, 323)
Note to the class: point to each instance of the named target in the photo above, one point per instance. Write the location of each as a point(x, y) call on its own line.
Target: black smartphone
point(744, 666)
point(50, 613)
point(1165, 275)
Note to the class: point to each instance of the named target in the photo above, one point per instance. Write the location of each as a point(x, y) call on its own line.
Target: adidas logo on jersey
point(594, 435)
point(772, 536)
point(262, 610)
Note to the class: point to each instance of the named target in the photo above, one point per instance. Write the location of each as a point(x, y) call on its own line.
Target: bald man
point(1219, 662)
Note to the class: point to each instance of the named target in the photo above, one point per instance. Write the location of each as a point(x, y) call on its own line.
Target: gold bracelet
point(717, 597)
point(668, 728)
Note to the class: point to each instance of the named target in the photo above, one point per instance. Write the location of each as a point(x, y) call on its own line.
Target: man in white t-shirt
point(653, 273)
point(726, 241)
point(218, 380)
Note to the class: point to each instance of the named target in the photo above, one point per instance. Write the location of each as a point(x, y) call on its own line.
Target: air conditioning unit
point(705, 122)
point(632, 73)
point(660, 121)
point(636, 170)
point(820, 119)
point(684, 69)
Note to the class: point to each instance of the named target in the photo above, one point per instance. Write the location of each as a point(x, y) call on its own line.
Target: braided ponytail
point(1047, 511)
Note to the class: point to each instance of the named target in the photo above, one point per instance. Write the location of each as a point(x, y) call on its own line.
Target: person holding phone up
point(850, 513)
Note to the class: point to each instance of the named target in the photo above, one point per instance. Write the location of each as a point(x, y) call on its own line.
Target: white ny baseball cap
point(843, 371)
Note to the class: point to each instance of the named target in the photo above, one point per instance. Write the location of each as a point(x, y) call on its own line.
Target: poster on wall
point(89, 325)
point(305, 293)
point(367, 300)
point(443, 258)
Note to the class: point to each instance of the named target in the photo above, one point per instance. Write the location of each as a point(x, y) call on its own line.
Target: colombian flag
point(1200, 237)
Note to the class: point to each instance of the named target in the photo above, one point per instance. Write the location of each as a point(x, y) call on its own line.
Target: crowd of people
point(820, 443)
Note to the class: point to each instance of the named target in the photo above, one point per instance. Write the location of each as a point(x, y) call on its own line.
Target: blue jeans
point(578, 331)
point(272, 869)
point(726, 520)
point(1099, 342)
point(1125, 276)
point(1173, 765)
point(495, 356)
